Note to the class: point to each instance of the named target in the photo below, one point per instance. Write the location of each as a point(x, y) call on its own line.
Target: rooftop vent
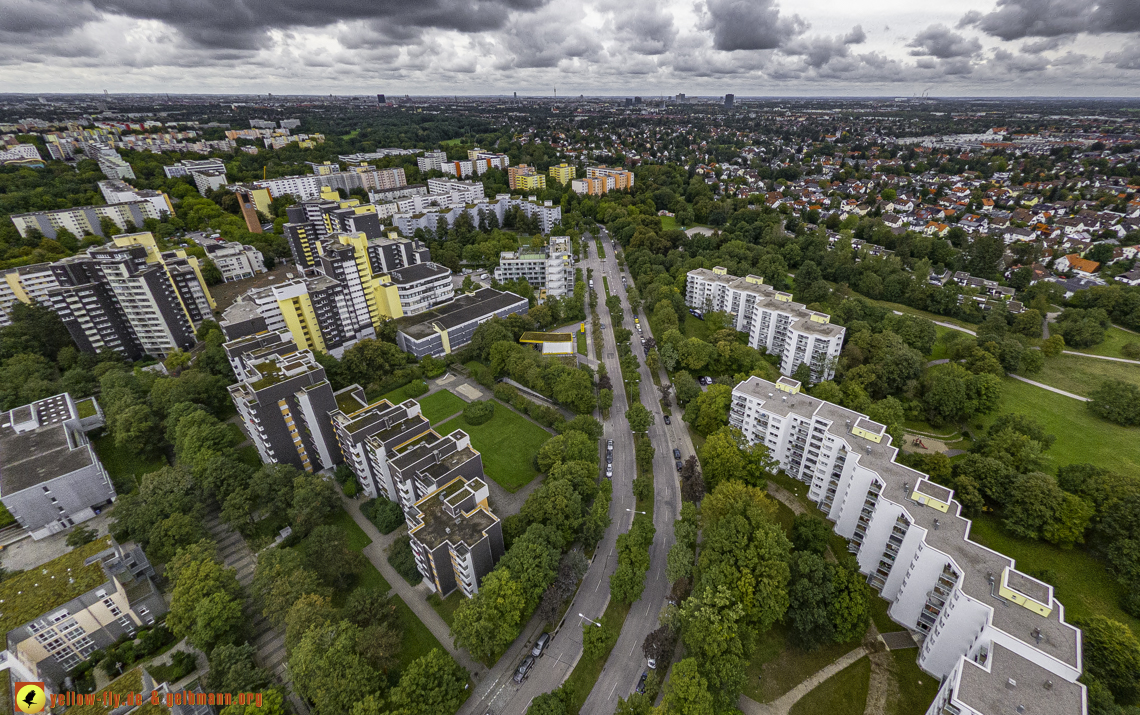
point(1037, 635)
point(1048, 685)
point(1011, 683)
point(1020, 708)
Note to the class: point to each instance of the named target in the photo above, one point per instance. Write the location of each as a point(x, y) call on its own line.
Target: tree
point(810, 534)
point(431, 684)
point(808, 593)
point(687, 692)
point(710, 410)
point(597, 640)
point(714, 638)
point(552, 703)
point(685, 386)
point(727, 455)
point(314, 500)
point(1112, 656)
point(232, 669)
point(327, 670)
point(1037, 507)
point(605, 399)
point(679, 562)
point(1032, 361)
point(272, 703)
point(370, 360)
point(206, 604)
point(639, 418)
point(327, 554)
point(575, 390)
point(659, 644)
point(557, 504)
point(81, 535)
point(280, 580)
point(1053, 345)
point(1117, 401)
point(849, 603)
point(173, 533)
point(486, 624)
point(308, 611)
point(137, 428)
point(692, 481)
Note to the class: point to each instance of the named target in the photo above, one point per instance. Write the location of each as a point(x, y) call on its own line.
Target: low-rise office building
point(50, 476)
point(549, 268)
point(772, 320)
point(234, 260)
point(996, 636)
point(446, 328)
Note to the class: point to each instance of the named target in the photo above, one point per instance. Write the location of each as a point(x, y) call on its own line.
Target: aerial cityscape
point(505, 358)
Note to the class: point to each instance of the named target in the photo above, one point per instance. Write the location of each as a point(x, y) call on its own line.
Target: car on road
point(667, 420)
point(609, 457)
point(524, 669)
point(676, 453)
point(641, 682)
point(609, 471)
point(609, 445)
point(706, 380)
point(679, 465)
point(540, 645)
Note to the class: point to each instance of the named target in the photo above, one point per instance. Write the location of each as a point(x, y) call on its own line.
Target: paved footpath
point(414, 596)
point(783, 704)
point(1050, 389)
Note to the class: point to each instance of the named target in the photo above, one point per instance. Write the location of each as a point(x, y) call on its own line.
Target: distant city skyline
point(598, 47)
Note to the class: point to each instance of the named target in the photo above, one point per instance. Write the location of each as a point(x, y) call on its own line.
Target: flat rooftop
point(418, 272)
point(463, 309)
point(36, 446)
point(1016, 685)
point(438, 527)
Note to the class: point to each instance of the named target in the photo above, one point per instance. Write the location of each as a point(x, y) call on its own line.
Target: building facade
point(83, 220)
point(525, 178)
point(550, 268)
point(996, 637)
point(563, 173)
point(234, 260)
point(622, 179)
point(772, 320)
point(444, 329)
point(546, 213)
point(50, 476)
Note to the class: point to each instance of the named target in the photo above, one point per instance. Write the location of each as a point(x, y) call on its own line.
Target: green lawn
point(586, 672)
point(920, 313)
point(1081, 436)
point(941, 351)
point(86, 408)
point(668, 223)
point(606, 285)
point(124, 465)
point(1081, 375)
point(844, 693)
point(1081, 582)
point(582, 348)
point(1114, 340)
point(446, 607)
point(778, 665)
point(916, 689)
point(397, 396)
point(441, 404)
point(695, 328)
point(508, 443)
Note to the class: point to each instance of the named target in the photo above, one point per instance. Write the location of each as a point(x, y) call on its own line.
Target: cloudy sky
point(648, 47)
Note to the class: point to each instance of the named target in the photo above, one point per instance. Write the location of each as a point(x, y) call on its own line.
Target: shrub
point(416, 388)
point(402, 559)
point(350, 489)
point(1131, 350)
point(480, 412)
point(80, 536)
point(386, 515)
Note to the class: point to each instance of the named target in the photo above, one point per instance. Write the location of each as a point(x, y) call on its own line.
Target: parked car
point(609, 471)
point(679, 465)
point(609, 445)
point(609, 457)
point(652, 663)
point(667, 420)
point(641, 682)
point(524, 669)
point(676, 453)
point(540, 645)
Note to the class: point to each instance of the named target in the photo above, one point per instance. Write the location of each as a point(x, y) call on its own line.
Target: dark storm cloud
point(750, 24)
point(818, 51)
point(941, 42)
point(30, 17)
point(243, 24)
point(1017, 19)
point(645, 30)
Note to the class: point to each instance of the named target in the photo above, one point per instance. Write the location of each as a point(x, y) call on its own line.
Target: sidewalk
point(414, 596)
point(1050, 389)
point(783, 704)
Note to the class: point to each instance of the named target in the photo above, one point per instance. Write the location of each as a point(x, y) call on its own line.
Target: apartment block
point(50, 477)
point(418, 288)
point(234, 260)
point(622, 179)
point(459, 192)
point(431, 161)
point(446, 328)
point(563, 173)
point(485, 161)
point(21, 154)
point(83, 220)
point(187, 167)
point(525, 178)
point(595, 186)
point(995, 636)
point(285, 402)
point(110, 163)
point(547, 213)
point(100, 593)
point(771, 319)
point(371, 435)
point(549, 268)
point(119, 192)
point(309, 186)
point(455, 537)
point(313, 219)
point(26, 284)
point(131, 297)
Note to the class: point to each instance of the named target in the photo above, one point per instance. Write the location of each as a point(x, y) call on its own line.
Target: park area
point(508, 443)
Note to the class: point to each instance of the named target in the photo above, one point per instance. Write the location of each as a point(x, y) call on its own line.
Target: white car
point(609, 471)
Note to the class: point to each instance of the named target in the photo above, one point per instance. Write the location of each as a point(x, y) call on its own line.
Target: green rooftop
point(86, 408)
point(31, 594)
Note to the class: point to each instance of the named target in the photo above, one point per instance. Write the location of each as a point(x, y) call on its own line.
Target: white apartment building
point(20, 153)
point(996, 636)
point(547, 214)
point(550, 268)
point(209, 180)
point(464, 192)
point(83, 220)
point(27, 284)
point(485, 161)
point(771, 319)
point(431, 161)
point(422, 286)
point(308, 186)
point(235, 260)
point(110, 163)
point(120, 192)
point(186, 167)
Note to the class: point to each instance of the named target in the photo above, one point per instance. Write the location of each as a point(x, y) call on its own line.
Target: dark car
point(524, 669)
point(676, 453)
point(679, 465)
point(609, 457)
point(641, 682)
point(540, 645)
point(609, 471)
point(667, 420)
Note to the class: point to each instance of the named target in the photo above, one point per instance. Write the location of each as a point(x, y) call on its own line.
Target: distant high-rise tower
point(729, 99)
point(637, 100)
point(380, 99)
point(681, 97)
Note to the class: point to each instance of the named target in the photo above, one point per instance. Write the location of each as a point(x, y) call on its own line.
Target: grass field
point(941, 350)
point(778, 665)
point(1081, 435)
point(916, 688)
point(920, 313)
point(695, 328)
point(446, 607)
point(1081, 375)
point(508, 443)
point(844, 693)
point(586, 672)
point(582, 348)
point(668, 223)
point(396, 396)
point(441, 404)
point(124, 465)
point(1114, 340)
point(1080, 581)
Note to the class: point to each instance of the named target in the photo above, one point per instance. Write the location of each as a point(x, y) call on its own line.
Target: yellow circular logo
point(30, 698)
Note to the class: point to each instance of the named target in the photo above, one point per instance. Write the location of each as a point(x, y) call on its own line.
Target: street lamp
point(591, 620)
point(635, 511)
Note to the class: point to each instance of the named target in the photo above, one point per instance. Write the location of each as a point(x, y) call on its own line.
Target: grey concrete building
point(446, 328)
point(549, 268)
point(369, 435)
point(50, 476)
